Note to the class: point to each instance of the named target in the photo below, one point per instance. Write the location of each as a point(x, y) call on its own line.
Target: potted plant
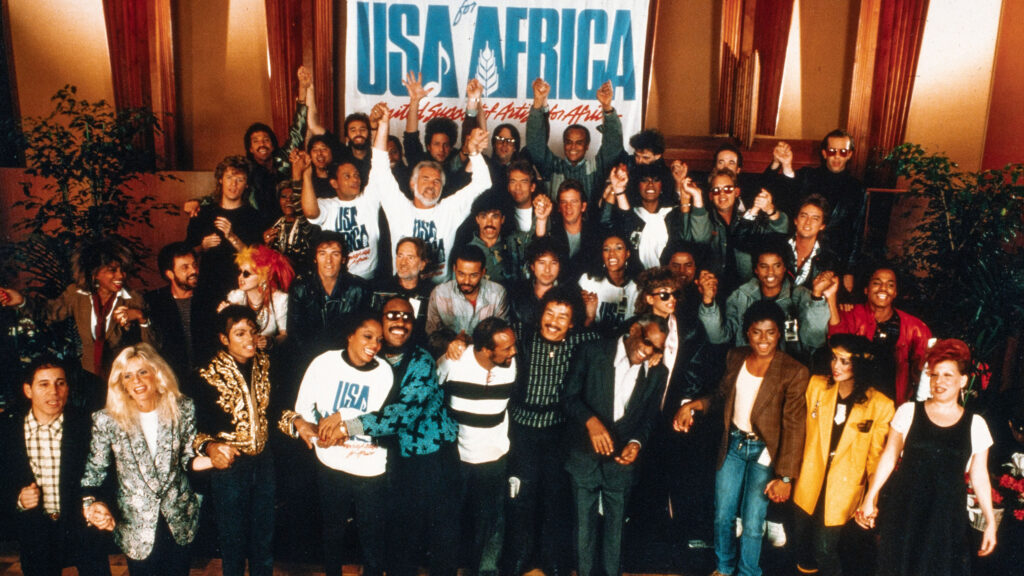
point(964, 256)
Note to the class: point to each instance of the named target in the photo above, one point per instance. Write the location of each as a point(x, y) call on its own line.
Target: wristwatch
point(786, 480)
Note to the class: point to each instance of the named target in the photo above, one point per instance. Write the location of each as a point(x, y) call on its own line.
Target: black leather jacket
point(316, 320)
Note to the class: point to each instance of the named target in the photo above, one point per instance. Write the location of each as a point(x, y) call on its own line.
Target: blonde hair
point(120, 405)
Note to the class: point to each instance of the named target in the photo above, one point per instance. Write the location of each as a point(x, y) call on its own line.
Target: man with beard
point(441, 134)
point(427, 216)
point(411, 258)
point(170, 307)
point(459, 305)
point(611, 398)
point(540, 485)
point(478, 385)
point(425, 476)
point(357, 141)
point(320, 302)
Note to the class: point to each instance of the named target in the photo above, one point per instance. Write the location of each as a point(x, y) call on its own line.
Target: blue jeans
point(739, 491)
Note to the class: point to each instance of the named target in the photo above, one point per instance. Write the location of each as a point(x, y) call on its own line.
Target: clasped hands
point(603, 444)
point(331, 431)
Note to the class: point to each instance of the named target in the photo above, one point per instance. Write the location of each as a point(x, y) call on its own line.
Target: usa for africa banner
point(575, 47)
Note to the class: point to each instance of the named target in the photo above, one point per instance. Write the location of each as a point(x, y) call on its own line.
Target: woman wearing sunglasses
point(263, 280)
point(681, 465)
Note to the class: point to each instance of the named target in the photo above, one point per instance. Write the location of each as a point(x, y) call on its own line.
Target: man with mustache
point(477, 386)
point(537, 433)
point(427, 216)
point(502, 264)
point(170, 307)
point(459, 305)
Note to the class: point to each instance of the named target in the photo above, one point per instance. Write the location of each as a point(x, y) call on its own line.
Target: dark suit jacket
point(590, 391)
point(17, 472)
point(165, 321)
point(779, 412)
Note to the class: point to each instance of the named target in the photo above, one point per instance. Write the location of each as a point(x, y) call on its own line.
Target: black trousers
point(542, 510)
point(168, 558)
point(339, 492)
point(49, 545)
point(423, 489)
point(483, 496)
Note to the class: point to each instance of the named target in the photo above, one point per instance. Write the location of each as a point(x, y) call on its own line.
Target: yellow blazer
point(857, 453)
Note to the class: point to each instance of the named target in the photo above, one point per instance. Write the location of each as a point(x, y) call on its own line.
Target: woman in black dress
point(922, 513)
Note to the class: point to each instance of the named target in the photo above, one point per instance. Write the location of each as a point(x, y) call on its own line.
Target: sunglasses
point(396, 315)
point(246, 273)
point(722, 190)
point(647, 342)
point(842, 152)
point(503, 140)
point(664, 296)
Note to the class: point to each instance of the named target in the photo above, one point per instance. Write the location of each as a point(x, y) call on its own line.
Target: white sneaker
point(776, 534)
point(739, 527)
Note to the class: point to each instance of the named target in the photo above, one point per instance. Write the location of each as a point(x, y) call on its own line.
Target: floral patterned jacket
point(148, 487)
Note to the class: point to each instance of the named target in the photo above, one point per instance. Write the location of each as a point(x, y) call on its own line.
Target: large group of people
point(489, 359)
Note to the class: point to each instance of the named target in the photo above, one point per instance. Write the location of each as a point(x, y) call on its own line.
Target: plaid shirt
point(42, 443)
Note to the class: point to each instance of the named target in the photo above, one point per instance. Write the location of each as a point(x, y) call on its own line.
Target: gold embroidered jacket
point(228, 410)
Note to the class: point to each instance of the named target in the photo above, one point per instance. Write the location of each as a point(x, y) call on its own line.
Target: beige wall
point(223, 79)
point(1003, 143)
point(819, 68)
point(58, 42)
point(223, 82)
point(684, 83)
point(950, 103)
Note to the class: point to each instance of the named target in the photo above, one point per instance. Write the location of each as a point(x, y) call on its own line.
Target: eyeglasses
point(842, 152)
point(246, 273)
point(503, 140)
point(647, 342)
point(396, 315)
point(722, 190)
point(664, 296)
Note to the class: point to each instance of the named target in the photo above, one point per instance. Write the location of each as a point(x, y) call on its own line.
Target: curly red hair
point(952, 350)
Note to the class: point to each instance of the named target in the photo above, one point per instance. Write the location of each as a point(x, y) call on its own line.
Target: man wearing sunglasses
point(612, 394)
point(833, 181)
point(425, 474)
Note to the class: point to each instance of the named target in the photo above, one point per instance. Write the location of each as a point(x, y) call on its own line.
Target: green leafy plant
point(87, 159)
point(966, 251)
